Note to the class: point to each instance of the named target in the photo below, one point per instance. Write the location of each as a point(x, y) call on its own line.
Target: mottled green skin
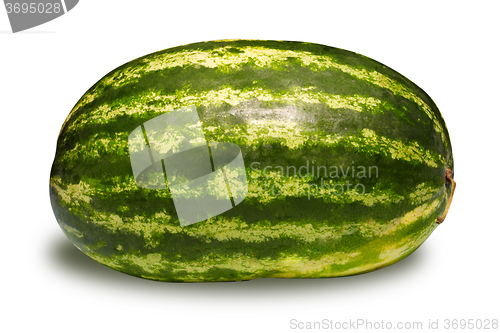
point(351, 243)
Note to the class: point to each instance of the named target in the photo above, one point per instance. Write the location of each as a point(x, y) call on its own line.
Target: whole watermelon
point(243, 159)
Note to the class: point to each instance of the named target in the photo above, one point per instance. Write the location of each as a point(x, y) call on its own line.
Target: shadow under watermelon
point(82, 268)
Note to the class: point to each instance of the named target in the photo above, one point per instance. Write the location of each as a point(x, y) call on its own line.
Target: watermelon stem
point(449, 180)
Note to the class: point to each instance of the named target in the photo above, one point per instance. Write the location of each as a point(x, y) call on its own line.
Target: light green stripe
point(257, 132)
point(152, 264)
point(260, 188)
point(76, 194)
point(398, 89)
point(139, 104)
point(223, 229)
point(372, 143)
point(374, 229)
point(71, 231)
point(114, 144)
point(276, 184)
point(391, 253)
point(286, 265)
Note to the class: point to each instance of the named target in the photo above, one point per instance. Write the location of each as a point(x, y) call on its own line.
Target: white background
point(450, 49)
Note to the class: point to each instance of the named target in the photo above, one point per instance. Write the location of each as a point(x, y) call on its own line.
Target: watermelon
point(309, 161)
